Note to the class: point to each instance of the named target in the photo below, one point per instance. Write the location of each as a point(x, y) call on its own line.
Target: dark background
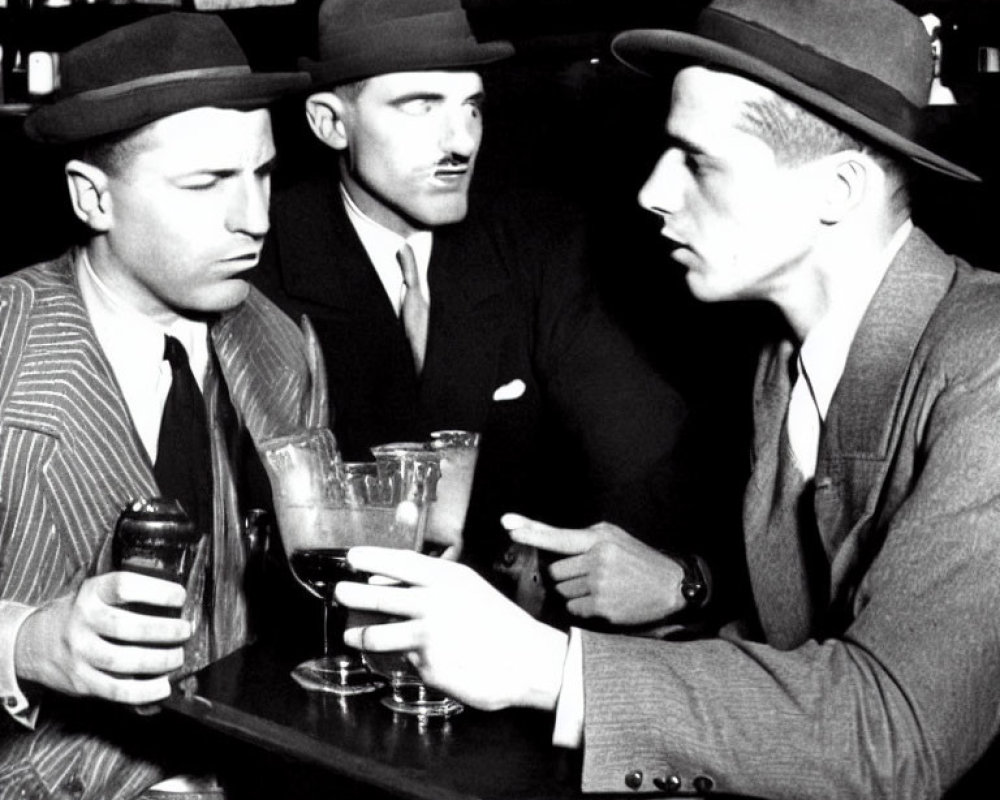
point(563, 118)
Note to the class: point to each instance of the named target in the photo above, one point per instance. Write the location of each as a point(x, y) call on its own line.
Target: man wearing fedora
point(140, 363)
point(868, 663)
point(437, 312)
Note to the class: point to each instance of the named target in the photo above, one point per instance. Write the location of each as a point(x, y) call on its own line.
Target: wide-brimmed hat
point(361, 38)
point(865, 63)
point(150, 69)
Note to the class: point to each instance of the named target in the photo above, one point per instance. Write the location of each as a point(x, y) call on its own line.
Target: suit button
point(703, 784)
point(633, 779)
point(670, 784)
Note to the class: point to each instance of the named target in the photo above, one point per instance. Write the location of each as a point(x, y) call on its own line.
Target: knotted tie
point(183, 467)
point(416, 310)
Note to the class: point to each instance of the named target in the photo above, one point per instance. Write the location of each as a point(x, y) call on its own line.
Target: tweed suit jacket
point(70, 458)
point(894, 693)
point(511, 306)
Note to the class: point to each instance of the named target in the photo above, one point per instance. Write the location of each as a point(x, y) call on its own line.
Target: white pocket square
point(510, 391)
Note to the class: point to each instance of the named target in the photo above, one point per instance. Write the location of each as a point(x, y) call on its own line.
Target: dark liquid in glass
point(322, 568)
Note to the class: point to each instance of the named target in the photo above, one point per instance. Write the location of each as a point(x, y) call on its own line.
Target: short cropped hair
point(350, 91)
point(111, 154)
point(798, 136)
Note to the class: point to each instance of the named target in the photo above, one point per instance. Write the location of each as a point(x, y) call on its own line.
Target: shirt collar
point(131, 338)
point(382, 244)
point(824, 352)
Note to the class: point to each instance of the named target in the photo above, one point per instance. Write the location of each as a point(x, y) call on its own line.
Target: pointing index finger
point(556, 540)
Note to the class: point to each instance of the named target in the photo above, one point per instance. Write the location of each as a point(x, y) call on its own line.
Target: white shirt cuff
point(12, 616)
point(568, 731)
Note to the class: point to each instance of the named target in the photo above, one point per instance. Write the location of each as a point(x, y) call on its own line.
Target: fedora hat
point(865, 63)
point(150, 69)
point(361, 38)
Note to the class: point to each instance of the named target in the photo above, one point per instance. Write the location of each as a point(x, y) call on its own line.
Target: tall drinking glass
point(319, 503)
point(408, 693)
point(459, 451)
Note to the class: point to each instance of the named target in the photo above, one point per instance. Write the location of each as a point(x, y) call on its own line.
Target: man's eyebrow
point(675, 140)
point(268, 167)
point(411, 96)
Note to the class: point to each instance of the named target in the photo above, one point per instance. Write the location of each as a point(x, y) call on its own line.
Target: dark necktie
point(415, 312)
point(183, 468)
point(786, 559)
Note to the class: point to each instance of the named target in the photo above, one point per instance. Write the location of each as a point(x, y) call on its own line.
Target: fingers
point(118, 659)
point(121, 588)
point(545, 537)
point(568, 568)
point(385, 638)
point(128, 690)
point(405, 565)
point(577, 587)
point(403, 601)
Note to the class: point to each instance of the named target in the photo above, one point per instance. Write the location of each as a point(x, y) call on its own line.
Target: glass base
point(340, 674)
point(410, 696)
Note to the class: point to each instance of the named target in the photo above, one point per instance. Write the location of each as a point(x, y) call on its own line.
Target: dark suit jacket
point(70, 459)
point(510, 300)
point(894, 692)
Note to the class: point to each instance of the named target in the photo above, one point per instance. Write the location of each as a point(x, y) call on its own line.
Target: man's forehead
point(707, 99)
point(207, 130)
point(427, 81)
point(715, 92)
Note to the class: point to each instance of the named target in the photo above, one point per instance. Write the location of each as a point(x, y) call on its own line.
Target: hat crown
point(876, 37)
point(345, 24)
point(160, 45)
point(363, 38)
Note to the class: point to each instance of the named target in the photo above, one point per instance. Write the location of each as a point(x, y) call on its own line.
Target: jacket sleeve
point(902, 700)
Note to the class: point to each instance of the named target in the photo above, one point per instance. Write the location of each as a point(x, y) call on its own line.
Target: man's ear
point(325, 113)
point(89, 195)
point(848, 181)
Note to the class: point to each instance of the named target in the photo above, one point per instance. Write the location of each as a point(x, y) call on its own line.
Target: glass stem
point(334, 617)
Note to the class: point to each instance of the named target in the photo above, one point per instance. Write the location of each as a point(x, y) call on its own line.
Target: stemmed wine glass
point(320, 502)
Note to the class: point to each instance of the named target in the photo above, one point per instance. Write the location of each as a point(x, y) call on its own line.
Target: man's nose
point(662, 191)
point(463, 131)
point(249, 210)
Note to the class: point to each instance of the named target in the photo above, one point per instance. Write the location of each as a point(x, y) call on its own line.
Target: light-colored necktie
point(415, 311)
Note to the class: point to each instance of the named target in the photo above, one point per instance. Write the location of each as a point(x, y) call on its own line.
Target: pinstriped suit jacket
point(70, 459)
point(896, 691)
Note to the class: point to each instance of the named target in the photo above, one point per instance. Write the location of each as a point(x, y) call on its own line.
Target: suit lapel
point(97, 464)
point(864, 416)
point(469, 314)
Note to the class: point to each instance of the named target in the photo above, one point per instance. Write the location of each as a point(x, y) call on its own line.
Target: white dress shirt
point(822, 358)
point(382, 244)
point(133, 344)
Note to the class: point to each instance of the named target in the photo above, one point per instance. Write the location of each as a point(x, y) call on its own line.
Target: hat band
point(859, 90)
point(118, 89)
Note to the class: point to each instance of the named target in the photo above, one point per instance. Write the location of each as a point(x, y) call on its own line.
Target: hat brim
point(657, 52)
point(379, 60)
point(79, 118)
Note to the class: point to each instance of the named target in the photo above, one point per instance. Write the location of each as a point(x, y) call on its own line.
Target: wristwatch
point(696, 585)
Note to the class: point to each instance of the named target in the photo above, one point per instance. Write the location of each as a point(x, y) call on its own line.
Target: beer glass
point(459, 451)
point(320, 504)
point(408, 694)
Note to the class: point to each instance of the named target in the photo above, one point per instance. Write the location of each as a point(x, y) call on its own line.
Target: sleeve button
point(633, 779)
point(670, 784)
point(703, 784)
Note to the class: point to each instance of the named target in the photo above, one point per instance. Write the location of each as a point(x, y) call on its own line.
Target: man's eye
point(416, 108)
point(200, 183)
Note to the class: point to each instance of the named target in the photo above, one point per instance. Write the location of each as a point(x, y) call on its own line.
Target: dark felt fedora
point(361, 38)
point(150, 69)
point(865, 63)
